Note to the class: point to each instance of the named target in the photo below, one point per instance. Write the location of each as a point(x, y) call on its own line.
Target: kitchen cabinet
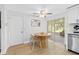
point(73, 42)
point(72, 15)
point(78, 13)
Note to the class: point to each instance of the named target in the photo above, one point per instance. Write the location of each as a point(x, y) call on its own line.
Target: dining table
point(43, 38)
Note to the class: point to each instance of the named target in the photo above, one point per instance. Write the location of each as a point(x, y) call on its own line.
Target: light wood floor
point(25, 49)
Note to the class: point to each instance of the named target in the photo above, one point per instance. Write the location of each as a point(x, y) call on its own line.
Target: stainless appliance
point(73, 42)
point(76, 28)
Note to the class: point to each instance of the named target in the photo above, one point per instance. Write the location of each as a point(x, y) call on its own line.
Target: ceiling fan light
point(43, 11)
point(41, 15)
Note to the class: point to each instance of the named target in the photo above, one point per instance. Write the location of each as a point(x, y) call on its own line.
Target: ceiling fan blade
point(35, 16)
point(49, 13)
point(34, 13)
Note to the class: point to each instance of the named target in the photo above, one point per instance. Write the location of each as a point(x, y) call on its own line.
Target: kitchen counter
point(73, 34)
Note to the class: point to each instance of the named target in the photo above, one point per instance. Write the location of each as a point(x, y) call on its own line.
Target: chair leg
point(33, 45)
point(40, 44)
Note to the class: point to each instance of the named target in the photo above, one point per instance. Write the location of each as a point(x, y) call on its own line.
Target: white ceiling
point(32, 8)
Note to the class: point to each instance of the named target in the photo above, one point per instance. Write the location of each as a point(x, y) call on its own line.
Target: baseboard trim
point(3, 52)
point(73, 51)
point(27, 42)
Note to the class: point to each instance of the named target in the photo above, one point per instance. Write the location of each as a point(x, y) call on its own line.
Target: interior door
point(15, 30)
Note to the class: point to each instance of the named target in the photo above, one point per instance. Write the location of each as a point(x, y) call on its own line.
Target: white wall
point(3, 30)
point(28, 30)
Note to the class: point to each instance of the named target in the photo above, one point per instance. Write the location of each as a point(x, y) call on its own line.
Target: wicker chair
point(35, 41)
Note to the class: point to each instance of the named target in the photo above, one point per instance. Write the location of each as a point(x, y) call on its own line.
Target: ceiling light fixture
point(43, 13)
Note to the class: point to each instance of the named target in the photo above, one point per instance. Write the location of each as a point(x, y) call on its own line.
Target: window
point(56, 25)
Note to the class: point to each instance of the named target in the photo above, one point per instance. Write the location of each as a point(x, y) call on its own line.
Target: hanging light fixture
point(43, 13)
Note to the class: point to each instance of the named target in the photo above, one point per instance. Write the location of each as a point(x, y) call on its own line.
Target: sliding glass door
point(56, 27)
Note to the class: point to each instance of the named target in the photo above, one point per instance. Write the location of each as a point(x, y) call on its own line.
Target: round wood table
point(43, 38)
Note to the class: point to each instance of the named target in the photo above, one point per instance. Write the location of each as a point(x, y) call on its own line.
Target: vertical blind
point(56, 25)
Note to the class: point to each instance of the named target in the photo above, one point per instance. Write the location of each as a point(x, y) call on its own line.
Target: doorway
point(56, 27)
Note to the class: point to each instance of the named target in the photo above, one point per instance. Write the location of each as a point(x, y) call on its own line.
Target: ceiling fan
point(41, 13)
